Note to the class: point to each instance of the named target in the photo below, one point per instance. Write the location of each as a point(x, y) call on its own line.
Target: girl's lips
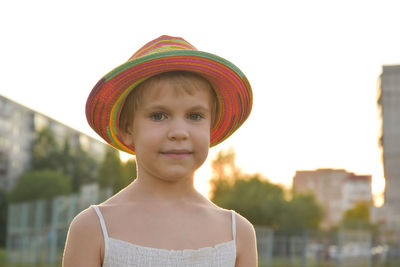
point(176, 153)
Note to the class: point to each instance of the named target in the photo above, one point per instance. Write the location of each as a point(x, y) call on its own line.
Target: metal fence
point(344, 248)
point(36, 231)
point(36, 235)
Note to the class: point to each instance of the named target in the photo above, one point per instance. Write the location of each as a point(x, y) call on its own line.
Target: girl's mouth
point(177, 153)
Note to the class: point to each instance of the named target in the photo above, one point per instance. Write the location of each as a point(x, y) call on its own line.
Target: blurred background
point(316, 167)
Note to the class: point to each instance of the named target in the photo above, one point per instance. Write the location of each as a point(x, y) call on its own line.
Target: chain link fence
point(344, 248)
point(36, 231)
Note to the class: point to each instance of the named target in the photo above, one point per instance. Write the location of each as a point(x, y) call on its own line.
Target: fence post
point(304, 249)
point(40, 226)
point(24, 233)
point(73, 208)
point(371, 245)
point(339, 249)
point(11, 222)
point(270, 247)
point(52, 234)
point(292, 249)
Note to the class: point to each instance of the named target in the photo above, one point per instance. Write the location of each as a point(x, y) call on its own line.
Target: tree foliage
point(42, 184)
point(358, 216)
point(3, 217)
point(113, 173)
point(45, 151)
point(260, 201)
point(224, 167)
point(83, 167)
point(47, 154)
point(304, 210)
point(129, 171)
point(73, 164)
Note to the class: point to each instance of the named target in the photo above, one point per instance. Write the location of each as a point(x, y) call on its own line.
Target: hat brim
point(233, 91)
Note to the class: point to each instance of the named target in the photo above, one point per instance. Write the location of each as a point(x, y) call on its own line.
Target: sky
point(314, 68)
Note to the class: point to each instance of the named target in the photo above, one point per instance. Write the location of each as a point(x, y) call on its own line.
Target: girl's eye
point(195, 116)
point(158, 116)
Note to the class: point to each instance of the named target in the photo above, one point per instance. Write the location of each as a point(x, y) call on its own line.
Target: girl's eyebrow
point(165, 107)
point(200, 107)
point(151, 106)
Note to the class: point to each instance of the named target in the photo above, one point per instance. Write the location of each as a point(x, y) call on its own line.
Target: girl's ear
point(127, 137)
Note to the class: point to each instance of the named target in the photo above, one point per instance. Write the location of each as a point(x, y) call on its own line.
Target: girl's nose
point(178, 131)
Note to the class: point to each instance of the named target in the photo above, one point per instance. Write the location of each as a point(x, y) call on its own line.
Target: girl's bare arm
point(246, 243)
point(84, 242)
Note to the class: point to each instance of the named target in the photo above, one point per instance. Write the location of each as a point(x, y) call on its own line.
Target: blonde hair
point(182, 81)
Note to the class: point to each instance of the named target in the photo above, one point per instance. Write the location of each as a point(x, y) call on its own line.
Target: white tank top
point(119, 253)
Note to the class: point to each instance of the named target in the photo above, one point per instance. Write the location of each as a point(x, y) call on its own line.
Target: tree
point(45, 151)
point(302, 213)
point(111, 171)
point(259, 200)
point(3, 218)
point(224, 166)
point(42, 184)
point(224, 173)
point(74, 162)
point(358, 216)
point(129, 171)
point(84, 168)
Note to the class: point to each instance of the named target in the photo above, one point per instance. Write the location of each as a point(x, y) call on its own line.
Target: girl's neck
point(146, 188)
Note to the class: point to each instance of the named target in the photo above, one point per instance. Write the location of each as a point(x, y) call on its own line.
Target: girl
point(167, 104)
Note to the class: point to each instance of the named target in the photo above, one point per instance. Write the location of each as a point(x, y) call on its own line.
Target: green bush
point(43, 184)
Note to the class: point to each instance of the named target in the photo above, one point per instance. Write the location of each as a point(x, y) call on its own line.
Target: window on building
point(40, 122)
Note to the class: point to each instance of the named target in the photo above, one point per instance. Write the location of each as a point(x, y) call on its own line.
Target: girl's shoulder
point(246, 242)
point(242, 223)
point(84, 222)
point(84, 240)
point(246, 245)
point(244, 228)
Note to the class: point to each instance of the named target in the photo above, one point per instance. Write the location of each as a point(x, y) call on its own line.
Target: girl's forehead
point(164, 88)
point(169, 98)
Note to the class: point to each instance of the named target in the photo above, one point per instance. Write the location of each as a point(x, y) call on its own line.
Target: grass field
point(3, 261)
point(277, 262)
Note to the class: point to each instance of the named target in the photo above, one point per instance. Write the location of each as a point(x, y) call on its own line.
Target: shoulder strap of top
point(102, 223)
point(234, 224)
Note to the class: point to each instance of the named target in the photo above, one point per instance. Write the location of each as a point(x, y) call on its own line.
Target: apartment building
point(389, 106)
point(18, 127)
point(335, 189)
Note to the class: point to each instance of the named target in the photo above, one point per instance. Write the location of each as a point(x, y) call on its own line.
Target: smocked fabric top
point(119, 253)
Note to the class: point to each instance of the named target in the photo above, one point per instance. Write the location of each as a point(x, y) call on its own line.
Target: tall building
point(389, 103)
point(336, 190)
point(18, 127)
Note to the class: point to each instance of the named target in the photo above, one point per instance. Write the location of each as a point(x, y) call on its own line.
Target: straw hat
point(166, 54)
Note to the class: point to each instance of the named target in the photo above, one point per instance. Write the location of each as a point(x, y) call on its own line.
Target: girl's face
point(171, 131)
